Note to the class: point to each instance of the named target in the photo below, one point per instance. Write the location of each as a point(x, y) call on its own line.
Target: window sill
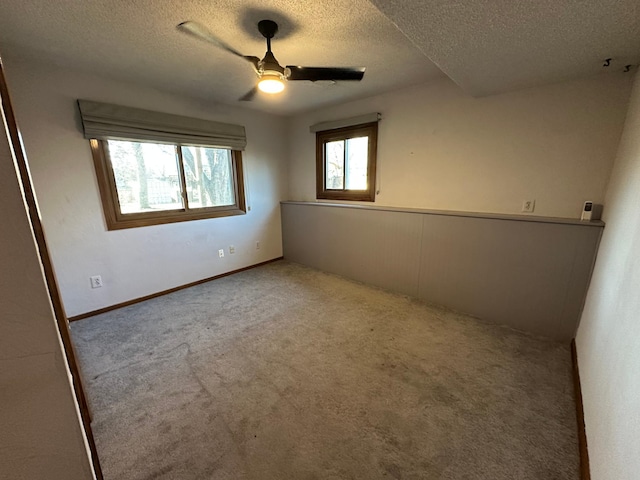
point(179, 216)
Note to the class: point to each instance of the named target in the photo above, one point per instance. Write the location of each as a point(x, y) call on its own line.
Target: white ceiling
point(493, 46)
point(137, 41)
point(486, 46)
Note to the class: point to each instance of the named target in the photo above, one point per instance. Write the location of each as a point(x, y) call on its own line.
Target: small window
point(145, 183)
point(346, 163)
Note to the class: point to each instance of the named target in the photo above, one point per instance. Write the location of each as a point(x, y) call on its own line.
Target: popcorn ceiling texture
point(489, 46)
point(285, 372)
point(138, 42)
point(484, 46)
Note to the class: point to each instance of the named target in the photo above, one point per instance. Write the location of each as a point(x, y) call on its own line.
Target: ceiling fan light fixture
point(271, 83)
point(272, 76)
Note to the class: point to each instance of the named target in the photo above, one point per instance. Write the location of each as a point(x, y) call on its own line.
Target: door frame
point(24, 178)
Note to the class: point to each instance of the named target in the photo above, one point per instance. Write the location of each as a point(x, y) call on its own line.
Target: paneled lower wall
point(530, 273)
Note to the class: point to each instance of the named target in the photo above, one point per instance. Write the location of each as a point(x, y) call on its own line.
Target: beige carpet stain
point(285, 372)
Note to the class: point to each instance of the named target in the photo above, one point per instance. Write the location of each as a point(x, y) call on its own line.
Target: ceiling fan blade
point(247, 97)
point(201, 32)
point(254, 62)
point(315, 74)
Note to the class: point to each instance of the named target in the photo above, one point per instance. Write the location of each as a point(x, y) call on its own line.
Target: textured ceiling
point(485, 46)
point(137, 41)
point(492, 46)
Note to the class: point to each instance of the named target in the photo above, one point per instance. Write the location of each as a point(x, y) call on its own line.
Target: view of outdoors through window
point(346, 164)
point(148, 176)
point(209, 176)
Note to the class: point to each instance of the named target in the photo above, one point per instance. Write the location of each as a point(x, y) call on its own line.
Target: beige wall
point(442, 149)
point(472, 263)
point(139, 261)
point(40, 433)
point(608, 339)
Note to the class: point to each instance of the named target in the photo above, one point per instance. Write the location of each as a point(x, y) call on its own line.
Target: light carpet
point(286, 372)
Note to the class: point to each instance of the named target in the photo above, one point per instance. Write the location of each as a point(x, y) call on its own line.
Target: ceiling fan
point(271, 74)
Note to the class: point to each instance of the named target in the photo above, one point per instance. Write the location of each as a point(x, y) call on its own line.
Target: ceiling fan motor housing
point(268, 28)
point(270, 64)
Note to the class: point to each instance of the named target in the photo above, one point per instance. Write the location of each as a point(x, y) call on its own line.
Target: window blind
point(103, 121)
point(347, 122)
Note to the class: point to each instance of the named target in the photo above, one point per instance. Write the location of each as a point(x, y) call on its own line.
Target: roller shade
point(103, 120)
point(347, 122)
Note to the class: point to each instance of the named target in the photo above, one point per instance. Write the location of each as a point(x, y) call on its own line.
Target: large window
point(157, 167)
point(346, 163)
point(147, 183)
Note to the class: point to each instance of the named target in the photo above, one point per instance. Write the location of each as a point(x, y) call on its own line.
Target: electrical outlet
point(96, 281)
point(528, 206)
point(221, 252)
point(257, 245)
point(232, 249)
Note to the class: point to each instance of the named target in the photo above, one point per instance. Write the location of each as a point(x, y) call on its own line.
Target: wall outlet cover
point(528, 206)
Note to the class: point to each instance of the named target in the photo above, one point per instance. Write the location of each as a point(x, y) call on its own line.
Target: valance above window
point(347, 122)
point(106, 121)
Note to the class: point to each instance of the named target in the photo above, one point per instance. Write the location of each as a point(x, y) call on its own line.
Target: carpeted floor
point(284, 372)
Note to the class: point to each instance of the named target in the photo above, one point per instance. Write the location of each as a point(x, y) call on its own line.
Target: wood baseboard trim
point(585, 473)
point(165, 292)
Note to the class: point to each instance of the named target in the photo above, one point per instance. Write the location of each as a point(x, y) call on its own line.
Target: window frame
point(116, 220)
point(369, 130)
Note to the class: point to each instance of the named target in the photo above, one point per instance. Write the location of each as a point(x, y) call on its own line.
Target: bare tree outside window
point(146, 183)
point(346, 163)
point(209, 176)
point(146, 176)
